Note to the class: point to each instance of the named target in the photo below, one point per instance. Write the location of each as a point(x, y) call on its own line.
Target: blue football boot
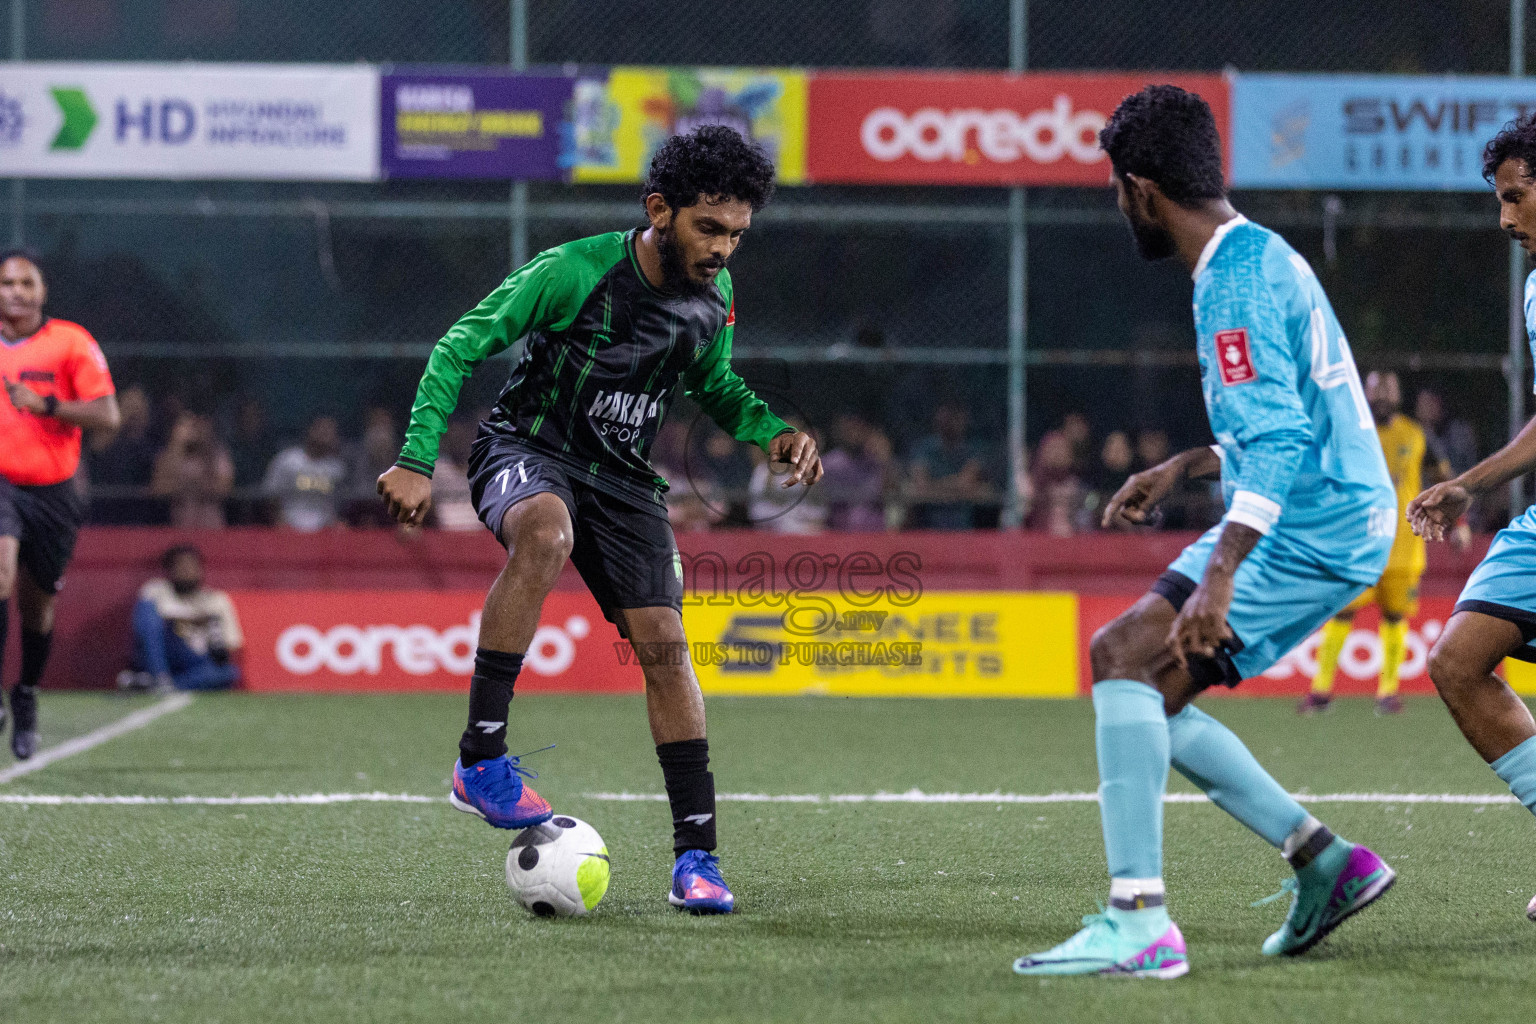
point(697, 886)
point(493, 789)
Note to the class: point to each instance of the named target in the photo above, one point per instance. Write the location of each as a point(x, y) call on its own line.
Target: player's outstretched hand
point(799, 450)
point(1137, 497)
point(408, 494)
point(1437, 510)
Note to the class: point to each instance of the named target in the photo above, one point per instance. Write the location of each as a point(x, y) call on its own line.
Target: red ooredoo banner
point(974, 129)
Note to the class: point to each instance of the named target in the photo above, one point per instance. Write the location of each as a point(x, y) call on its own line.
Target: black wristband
point(50, 405)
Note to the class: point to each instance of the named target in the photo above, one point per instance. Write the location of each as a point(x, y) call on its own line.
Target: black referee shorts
point(624, 549)
point(46, 519)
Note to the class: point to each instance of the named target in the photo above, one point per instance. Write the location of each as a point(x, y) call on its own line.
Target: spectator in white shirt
point(185, 635)
point(307, 480)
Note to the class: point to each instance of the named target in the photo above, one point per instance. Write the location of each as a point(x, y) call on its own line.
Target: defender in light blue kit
point(1495, 617)
point(1311, 515)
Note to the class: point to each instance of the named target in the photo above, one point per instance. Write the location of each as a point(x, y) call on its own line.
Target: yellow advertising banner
point(936, 644)
point(1521, 676)
point(620, 120)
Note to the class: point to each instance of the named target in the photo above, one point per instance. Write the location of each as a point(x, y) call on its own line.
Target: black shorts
point(623, 549)
point(46, 520)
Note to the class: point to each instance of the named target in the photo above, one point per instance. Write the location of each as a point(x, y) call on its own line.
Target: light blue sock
point(1131, 734)
point(1518, 769)
point(1211, 756)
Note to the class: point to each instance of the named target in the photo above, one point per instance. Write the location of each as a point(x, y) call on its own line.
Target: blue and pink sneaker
point(1116, 943)
point(697, 886)
point(1342, 880)
point(493, 789)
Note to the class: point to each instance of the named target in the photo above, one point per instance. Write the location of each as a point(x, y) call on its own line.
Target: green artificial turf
point(848, 912)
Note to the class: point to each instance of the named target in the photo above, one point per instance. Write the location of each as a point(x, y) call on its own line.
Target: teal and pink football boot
point(1340, 881)
point(1117, 943)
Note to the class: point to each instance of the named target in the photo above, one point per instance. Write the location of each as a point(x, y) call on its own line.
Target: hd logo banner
point(238, 121)
point(1369, 131)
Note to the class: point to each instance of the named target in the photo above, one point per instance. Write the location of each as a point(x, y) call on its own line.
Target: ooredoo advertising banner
point(619, 120)
point(243, 121)
point(1369, 131)
point(973, 128)
point(490, 125)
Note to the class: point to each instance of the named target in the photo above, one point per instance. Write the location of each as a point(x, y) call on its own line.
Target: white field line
point(95, 738)
point(909, 797)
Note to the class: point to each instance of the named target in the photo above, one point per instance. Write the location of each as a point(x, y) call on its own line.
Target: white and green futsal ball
point(559, 868)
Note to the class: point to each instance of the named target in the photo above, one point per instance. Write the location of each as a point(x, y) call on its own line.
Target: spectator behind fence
point(376, 451)
point(1057, 488)
point(185, 636)
point(1113, 470)
point(453, 508)
point(686, 510)
point(250, 447)
point(1453, 440)
point(779, 509)
point(858, 471)
point(1075, 426)
point(194, 474)
point(949, 474)
point(121, 469)
point(306, 480)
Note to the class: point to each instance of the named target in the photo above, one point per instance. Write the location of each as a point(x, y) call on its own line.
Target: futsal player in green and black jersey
point(561, 468)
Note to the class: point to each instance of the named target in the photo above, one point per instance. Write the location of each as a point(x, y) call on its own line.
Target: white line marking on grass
point(913, 796)
point(917, 796)
point(95, 738)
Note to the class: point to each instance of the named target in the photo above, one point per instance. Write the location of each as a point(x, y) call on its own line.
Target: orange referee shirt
point(62, 360)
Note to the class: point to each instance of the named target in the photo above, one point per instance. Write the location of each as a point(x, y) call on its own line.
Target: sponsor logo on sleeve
point(1234, 357)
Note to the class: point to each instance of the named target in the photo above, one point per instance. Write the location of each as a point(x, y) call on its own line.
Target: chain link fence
point(325, 298)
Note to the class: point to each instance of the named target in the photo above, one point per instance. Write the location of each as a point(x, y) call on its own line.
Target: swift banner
point(1369, 131)
point(621, 119)
point(243, 121)
point(491, 125)
point(973, 129)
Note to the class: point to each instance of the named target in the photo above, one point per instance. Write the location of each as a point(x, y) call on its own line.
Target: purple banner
point(493, 126)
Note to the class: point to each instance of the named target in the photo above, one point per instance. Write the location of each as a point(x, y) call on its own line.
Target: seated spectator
point(375, 453)
point(1058, 491)
point(185, 635)
point(1075, 426)
point(194, 473)
point(453, 508)
point(722, 468)
point(686, 510)
point(306, 480)
point(122, 464)
point(857, 472)
point(949, 473)
point(1453, 440)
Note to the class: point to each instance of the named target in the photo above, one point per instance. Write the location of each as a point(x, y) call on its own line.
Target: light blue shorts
point(1504, 583)
point(1281, 596)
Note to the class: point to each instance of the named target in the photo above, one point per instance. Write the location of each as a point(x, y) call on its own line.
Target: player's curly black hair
point(1168, 136)
point(711, 160)
point(1515, 141)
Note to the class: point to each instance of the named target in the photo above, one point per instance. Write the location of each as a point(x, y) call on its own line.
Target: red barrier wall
point(92, 638)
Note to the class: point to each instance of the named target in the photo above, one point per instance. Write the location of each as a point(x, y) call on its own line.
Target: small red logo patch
point(1233, 357)
point(730, 318)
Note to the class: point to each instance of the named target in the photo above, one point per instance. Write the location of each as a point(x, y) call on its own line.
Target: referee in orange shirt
point(57, 384)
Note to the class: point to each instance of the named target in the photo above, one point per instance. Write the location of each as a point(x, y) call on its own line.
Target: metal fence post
point(518, 212)
point(18, 185)
point(1517, 339)
point(1018, 292)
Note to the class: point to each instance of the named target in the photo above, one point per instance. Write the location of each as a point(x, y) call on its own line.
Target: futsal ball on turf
point(1530, 910)
point(559, 868)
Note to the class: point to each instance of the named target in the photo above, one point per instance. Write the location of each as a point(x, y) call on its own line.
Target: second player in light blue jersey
point(1310, 520)
point(1495, 617)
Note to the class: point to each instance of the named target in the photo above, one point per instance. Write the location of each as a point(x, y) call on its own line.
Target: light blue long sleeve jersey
point(1301, 461)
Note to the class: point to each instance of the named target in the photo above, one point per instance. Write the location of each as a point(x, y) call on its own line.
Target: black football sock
point(34, 656)
point(490, 696)
point(691, 791)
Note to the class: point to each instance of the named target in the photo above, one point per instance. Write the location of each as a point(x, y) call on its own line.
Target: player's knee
point(543, 548)
point(1112, 652)
point(1451, 673)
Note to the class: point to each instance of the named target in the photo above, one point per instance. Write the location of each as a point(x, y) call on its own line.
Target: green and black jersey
point(605, 352)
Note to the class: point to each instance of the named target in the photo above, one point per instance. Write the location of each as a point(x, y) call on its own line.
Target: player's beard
point(1152, 242)
point(674, 270)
